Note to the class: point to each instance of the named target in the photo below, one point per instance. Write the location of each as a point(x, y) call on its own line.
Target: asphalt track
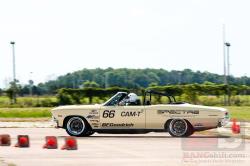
point(122, 150)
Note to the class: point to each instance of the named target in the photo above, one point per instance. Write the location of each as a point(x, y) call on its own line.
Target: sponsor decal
point(212, 115)
point(186, 112)
point(94, 120)
point(117, 124)
point(198, 125)
point(130, 113)
point(92, 117)
point(94, 112)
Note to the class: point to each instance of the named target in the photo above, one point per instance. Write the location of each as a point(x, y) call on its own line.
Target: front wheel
point(180, 128)
point(76, 126)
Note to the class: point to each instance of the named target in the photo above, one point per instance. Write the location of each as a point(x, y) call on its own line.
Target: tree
point(90, 84)
point(153, 84)
point(25, 90)
point(13, 90)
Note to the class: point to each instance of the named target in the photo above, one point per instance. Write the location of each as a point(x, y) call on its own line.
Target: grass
point(39, 112)
point(34, 101)
point(238, 100)
point(241, 113)
point(21, 99)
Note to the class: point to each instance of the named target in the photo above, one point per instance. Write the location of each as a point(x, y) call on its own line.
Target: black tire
point(89, 133)
point(190, 130)
point(77, 126)
point(180, 128)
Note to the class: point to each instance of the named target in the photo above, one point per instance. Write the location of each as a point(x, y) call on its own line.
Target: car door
point(122, 117)
point(154, 120)
point(135, 115)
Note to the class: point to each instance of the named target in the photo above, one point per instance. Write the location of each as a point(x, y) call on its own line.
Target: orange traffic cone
point(22, 141)
point(5, 140)
point(51, 142)
point(235, 128)
point(233, 125)
point(70, 144)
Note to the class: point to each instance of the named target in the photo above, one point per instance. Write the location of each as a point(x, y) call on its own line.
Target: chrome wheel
point(178, 127)
point(75, 126)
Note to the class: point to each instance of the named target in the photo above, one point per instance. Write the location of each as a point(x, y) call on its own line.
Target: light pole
point(228, 60)
point(14, 72)
point(228, 72)
point(224, 60)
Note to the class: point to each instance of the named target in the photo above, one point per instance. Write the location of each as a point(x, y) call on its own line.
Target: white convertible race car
point(119, 115)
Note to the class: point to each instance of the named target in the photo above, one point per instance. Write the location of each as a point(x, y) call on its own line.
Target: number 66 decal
point(108, 114)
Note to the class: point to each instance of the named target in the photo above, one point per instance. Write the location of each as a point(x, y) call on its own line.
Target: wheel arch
point(65, 120)
point(166, 125)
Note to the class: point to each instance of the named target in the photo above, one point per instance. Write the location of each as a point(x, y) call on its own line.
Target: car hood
point(74, 107)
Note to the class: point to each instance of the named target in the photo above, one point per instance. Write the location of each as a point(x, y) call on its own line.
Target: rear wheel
point(77, 126)
point(180, 128)
point(190, 130)
point(89, 133)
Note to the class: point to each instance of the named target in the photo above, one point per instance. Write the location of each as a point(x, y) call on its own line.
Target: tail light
point(226, 115)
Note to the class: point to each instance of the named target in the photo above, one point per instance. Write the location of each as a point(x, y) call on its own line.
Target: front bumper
point(223, 122)
point(55, 122)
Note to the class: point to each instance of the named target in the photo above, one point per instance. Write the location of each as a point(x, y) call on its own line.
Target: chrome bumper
point(55, 122)
point(223, 122)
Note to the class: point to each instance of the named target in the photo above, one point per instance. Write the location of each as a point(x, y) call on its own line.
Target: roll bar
point(150, 92)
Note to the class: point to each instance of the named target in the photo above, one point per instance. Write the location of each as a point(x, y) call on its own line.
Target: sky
point(54, 37)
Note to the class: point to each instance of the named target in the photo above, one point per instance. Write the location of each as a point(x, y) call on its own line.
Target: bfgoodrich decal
point(117, 124)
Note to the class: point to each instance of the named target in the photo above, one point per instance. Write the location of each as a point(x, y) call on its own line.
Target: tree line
point(134, 78)
point(125, 78)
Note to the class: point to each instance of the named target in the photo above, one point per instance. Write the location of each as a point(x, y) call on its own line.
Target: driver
point(131, 99)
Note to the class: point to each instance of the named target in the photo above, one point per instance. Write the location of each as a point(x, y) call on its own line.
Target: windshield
point(113, 101)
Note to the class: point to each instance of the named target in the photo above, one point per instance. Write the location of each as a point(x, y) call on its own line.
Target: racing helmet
point(132, 97)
